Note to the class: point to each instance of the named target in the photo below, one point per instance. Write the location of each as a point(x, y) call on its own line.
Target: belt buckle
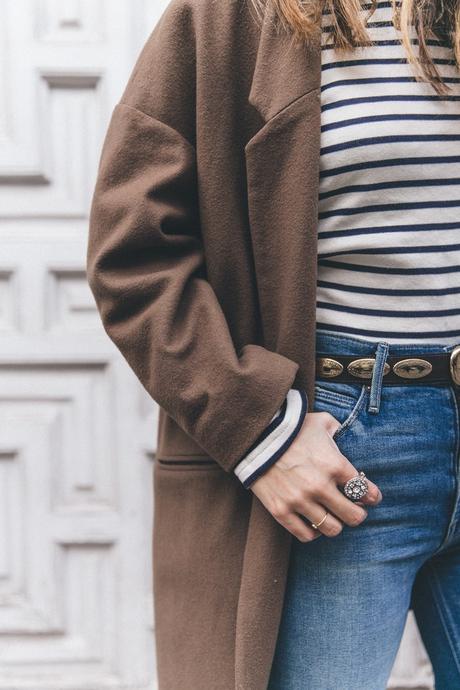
point(454, 365)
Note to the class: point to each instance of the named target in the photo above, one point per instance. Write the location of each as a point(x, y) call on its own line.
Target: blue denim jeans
point(348, 596)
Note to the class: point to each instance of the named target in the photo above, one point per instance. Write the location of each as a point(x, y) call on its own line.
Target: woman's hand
point(305, 480)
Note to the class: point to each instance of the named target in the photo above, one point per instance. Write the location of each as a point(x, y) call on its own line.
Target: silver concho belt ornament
point(356, 487)
point(455, 365)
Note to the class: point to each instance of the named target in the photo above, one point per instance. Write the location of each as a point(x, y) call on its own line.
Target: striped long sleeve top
point(389, 205)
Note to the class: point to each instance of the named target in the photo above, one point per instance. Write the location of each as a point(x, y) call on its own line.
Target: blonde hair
point(432, 19)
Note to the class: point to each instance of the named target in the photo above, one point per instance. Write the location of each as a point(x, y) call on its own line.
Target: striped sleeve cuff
point(275, 439)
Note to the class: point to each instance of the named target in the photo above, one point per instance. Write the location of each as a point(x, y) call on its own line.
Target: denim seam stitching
point(443, 612)
point(452, 521)
point(354, 413)
point(402, 347)
point(375, 392)
point(346, 401)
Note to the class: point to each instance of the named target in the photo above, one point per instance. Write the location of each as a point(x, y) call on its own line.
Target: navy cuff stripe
point(283, 448)
point(268, 430)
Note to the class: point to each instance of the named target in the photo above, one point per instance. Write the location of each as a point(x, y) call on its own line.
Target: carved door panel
point(76, 429)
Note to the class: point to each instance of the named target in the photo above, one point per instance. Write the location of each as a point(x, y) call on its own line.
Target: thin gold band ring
point(315, 525)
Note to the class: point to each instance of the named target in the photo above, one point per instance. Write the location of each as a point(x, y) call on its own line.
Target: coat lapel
point(283, 71)
point(282, 165)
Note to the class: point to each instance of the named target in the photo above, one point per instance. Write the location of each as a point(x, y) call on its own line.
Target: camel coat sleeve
point(146, 262)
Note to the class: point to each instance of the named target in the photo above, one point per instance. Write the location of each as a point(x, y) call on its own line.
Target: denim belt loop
point(381, 354)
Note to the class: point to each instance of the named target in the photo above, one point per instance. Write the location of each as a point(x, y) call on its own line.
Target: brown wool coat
point(202, 259)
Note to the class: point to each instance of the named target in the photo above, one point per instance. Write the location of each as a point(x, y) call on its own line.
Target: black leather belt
point(439, 367)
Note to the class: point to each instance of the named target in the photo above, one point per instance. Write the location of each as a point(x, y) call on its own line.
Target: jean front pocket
point(344, 401)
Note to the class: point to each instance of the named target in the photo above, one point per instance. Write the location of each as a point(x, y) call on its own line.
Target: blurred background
point(77, 431)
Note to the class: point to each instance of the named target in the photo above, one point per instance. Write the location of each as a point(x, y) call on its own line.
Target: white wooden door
point(76, 428)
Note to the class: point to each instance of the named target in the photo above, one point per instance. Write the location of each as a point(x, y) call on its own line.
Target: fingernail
point(377, 497)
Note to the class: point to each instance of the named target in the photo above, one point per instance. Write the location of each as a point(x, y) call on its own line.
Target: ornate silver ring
point(356, 487)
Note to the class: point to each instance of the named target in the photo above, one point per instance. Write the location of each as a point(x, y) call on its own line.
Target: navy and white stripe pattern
point(389, 205)
point(275, 439)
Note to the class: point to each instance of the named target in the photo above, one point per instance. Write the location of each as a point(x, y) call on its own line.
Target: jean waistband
point(331, 342)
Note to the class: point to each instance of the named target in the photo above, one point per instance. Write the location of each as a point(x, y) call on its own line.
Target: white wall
point(76, 429)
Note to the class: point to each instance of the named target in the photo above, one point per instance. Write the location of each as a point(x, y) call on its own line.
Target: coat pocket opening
point(186, 463)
